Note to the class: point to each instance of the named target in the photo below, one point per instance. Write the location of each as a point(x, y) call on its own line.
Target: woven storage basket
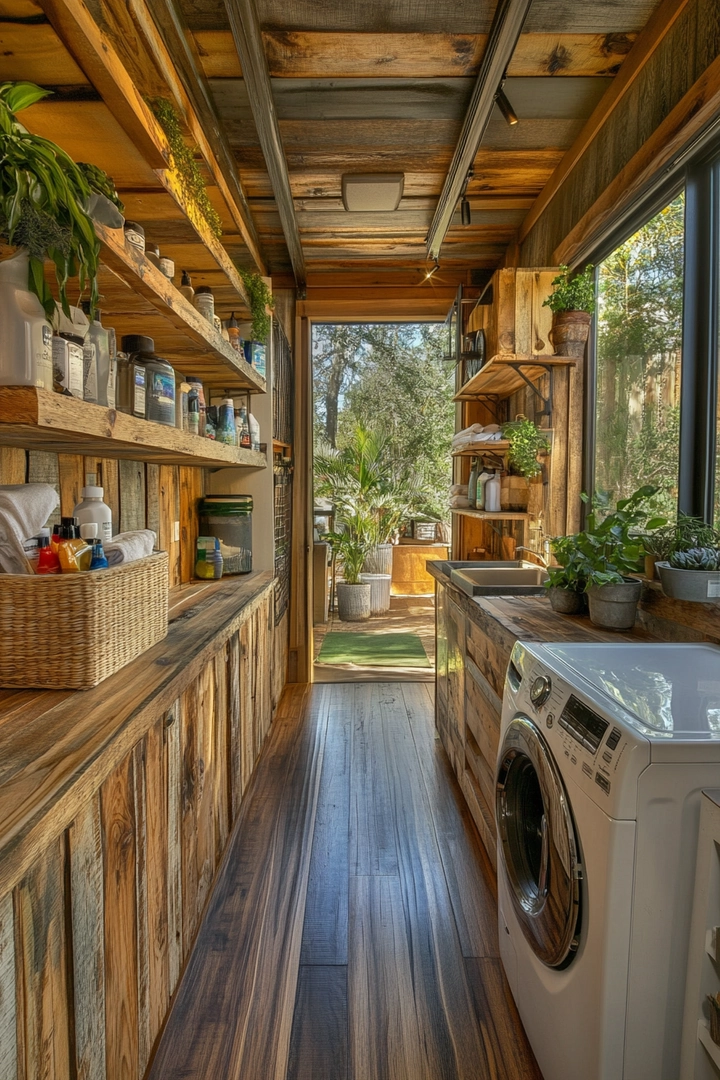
point(70, 631)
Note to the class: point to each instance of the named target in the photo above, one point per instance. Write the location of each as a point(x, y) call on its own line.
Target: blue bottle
point(98, 561)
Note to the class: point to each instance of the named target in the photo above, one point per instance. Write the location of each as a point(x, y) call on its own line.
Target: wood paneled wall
point(94, 938)
point(141, 496)
point(688, 49)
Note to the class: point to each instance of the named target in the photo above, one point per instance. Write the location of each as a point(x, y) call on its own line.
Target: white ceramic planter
point(379, 591)
point(698, 586)
point(379, 560)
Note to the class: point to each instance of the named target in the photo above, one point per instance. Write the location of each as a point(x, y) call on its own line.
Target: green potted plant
point(261, 303)
point(611, 548)
point(526, 442)
point(567, 581)
point(690, 567)
point(572, 303)
point(43, 196)
point(353, 595)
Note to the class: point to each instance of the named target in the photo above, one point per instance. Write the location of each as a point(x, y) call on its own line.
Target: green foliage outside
point(389, 379)
point(639, 338)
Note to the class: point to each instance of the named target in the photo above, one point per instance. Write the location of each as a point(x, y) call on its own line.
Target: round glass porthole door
point(538, 844)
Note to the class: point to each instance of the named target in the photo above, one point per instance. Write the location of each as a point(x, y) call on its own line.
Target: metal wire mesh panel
point(283, 388)
point(283, 528)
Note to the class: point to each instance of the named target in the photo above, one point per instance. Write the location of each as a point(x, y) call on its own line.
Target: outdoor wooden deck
point(352, 932)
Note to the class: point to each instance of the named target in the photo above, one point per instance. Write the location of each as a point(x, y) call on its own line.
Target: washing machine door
point(539, 850)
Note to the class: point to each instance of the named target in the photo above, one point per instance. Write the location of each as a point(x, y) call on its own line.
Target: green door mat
point(373, 650)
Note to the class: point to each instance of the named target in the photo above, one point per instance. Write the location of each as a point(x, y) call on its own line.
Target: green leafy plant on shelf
point(572, 293)
point(526, 442)
point(260, 299)
point(612, 545)
point(99, 181)
point(43, 195)
point(192, 185)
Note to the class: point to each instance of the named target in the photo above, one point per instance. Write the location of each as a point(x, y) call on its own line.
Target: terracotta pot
point(569, 333)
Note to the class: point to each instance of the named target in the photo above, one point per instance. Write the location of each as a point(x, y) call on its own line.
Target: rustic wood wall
point(690, 46)
point(94, 936)
point(140, 495)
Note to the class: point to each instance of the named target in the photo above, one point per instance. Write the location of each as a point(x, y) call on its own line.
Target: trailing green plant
point(700, 558)
point(260, 299)
point(526, 442)
point(571, 574)
point(611, 546)
point(572, 293)
point(192, 185)
point(98, 180)
point(42, 198)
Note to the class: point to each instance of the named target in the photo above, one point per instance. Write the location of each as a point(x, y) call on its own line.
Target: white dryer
point(604, 751)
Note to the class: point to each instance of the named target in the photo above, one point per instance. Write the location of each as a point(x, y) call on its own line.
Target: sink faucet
point(536, 554)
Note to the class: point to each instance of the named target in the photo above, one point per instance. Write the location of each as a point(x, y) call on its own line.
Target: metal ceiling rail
point(251, 51)
point(504, 33)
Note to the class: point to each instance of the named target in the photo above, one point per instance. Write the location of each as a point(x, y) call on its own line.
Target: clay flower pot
point(569, 333)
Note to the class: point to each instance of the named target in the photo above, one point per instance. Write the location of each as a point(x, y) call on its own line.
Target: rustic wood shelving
point(499, 447)
point(502, 376)
point(484, 515)
point(43, 420)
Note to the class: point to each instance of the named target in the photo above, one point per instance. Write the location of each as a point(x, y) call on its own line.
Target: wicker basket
point(70, 631)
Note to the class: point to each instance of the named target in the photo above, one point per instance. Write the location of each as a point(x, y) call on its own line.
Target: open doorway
point(383, 424)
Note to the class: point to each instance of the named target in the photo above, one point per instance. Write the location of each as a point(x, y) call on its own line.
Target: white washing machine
point(604, 751)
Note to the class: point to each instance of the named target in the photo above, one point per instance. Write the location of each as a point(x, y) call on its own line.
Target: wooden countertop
point(530, 618)
point(57, 746)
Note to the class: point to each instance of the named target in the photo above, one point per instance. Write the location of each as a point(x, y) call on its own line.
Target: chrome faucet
point(540, 558)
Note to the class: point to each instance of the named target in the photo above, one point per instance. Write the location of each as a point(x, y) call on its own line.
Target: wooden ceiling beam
point(318, 54)
point(504, 33)
point(169, 40)
point(249, 44)
point(660, 22)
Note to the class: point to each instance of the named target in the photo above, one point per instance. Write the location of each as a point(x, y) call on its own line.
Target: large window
point(638, 355)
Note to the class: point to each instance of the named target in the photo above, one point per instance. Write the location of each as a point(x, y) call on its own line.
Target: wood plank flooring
point(352, 932)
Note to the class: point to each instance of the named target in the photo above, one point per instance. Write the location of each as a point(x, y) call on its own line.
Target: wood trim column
point(300, 665)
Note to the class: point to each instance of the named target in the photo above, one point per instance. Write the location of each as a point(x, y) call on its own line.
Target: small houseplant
point(261, 303)
point(43, 196)
point(526, 442)
point(353, 595)
point(691, 567)
point(610, 549)
point(572, 303)
point(567, 582)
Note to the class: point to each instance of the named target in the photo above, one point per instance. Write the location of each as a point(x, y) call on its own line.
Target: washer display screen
point(583, 724)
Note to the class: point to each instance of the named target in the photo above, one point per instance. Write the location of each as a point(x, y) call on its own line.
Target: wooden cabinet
point(113, 831)
point(450, 675)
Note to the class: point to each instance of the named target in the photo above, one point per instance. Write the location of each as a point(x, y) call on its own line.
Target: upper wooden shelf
point(500, 377)
point(499, 447)
point(43, 420)
point(137, 298)
point(485, 515)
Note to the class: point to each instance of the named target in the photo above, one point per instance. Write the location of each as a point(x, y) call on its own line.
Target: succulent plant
point(700, 558)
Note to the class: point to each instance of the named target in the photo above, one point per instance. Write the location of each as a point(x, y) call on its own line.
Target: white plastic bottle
point(92, 509)
point(97, 335)
point(492, 494)
point(26, 338)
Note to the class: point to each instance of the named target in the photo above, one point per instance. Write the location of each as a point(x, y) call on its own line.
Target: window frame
point(699, 177)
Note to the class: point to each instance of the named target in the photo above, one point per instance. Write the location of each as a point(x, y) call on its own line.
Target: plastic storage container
point(26, 338)
point(159, 379)
point(229, 517)
point(92, 510)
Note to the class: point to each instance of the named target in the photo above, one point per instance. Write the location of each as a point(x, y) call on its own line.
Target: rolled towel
point(24, 509)
point(457, 502)
point(459, 489)
point(130, 546)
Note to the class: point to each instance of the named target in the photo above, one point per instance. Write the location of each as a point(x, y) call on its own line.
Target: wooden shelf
point(484, 515)
point(42, 420)
point(282, 448)
point(137, 298)
point(499, 378)
point(703, 1034)
point(499, 447)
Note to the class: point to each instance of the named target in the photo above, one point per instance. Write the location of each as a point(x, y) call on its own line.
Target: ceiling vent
point(372, 191)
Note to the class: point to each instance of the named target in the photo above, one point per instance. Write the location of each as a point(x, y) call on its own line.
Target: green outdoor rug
point(373, 650)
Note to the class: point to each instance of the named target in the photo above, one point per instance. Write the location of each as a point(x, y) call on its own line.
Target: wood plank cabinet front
point(94, 937)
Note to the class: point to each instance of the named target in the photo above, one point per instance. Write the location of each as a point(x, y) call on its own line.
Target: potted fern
point(526, 442)
point(572, 303)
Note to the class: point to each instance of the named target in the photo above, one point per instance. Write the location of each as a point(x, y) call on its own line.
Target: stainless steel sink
point(500, 579)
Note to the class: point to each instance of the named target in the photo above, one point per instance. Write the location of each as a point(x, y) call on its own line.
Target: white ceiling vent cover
point(372, 191)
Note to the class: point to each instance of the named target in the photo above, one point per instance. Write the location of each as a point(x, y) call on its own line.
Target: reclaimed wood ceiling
point(383, 86)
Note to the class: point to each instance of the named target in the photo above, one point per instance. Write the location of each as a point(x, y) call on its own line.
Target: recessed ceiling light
point(372, 191)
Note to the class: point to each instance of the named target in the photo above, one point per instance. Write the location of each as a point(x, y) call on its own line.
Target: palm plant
point(43, 195)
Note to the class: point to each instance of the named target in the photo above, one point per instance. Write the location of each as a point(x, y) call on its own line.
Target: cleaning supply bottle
point(193, 411)
point(233, 329)
point(226, 431)
point(186, 287)
point(71, 548)
point(48, 562)
point(97, 335)
point(472, 482)
point(492, 494)
point(99, 558)
point(92, 509)
point(88, 533)
point(480, 490)
point(254, 432)
point(26, 339)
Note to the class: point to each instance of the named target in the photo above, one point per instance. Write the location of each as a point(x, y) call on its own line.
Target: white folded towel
point(130, 546)
point(24, 509)
point(457, 502)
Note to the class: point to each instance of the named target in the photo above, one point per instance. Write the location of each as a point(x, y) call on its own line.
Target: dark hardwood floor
point(352, 931)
